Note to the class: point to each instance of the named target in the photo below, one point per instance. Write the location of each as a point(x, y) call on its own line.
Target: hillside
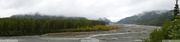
point(105, 20)
point(39, 16)
point(148, 18)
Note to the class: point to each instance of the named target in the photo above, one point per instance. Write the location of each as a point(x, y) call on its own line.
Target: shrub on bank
point(94, 28)
point(169, 31)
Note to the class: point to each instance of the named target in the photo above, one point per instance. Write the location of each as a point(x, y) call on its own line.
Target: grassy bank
point(94, 28)
point(81, 31)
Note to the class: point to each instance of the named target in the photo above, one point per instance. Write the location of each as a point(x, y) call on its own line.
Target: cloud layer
point(91, 9)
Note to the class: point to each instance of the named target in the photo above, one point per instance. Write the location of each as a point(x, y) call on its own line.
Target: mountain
point(105, 19)
point(149, 18)
point(38, 16)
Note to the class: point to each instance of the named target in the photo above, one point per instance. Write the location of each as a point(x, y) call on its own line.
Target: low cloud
point(91, 9)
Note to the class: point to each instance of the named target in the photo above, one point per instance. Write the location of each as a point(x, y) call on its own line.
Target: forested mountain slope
point(148, 18)
point(39, 16)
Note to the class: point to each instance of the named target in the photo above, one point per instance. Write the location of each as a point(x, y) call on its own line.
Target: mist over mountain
point(39, 16)
point(104, 19)
point(149, 18)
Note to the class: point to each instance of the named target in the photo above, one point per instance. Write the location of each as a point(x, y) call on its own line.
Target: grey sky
point(91, 9)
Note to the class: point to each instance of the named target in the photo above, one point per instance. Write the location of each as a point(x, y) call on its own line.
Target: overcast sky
point(91, 9)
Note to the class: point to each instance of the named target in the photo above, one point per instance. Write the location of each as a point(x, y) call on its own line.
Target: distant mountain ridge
point(105, 19)
point(149, 18)
point(38, 16)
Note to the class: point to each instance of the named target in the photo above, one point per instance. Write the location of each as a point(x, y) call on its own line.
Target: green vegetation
point(81, 31)
point(156, 18)
point(94, 28)
point(30, 26)
point(169, 31)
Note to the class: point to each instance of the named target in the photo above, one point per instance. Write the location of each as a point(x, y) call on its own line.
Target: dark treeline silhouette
point(30, 26)
point(149, 18)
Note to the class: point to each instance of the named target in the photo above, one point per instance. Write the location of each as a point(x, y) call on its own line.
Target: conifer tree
point(176, 11)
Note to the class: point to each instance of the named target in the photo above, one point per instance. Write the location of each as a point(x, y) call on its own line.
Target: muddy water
point(127, 33)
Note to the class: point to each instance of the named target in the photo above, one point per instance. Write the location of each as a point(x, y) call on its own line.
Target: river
point(125, 33)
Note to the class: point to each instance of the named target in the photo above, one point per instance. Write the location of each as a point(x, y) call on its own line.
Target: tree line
point(30, 26)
